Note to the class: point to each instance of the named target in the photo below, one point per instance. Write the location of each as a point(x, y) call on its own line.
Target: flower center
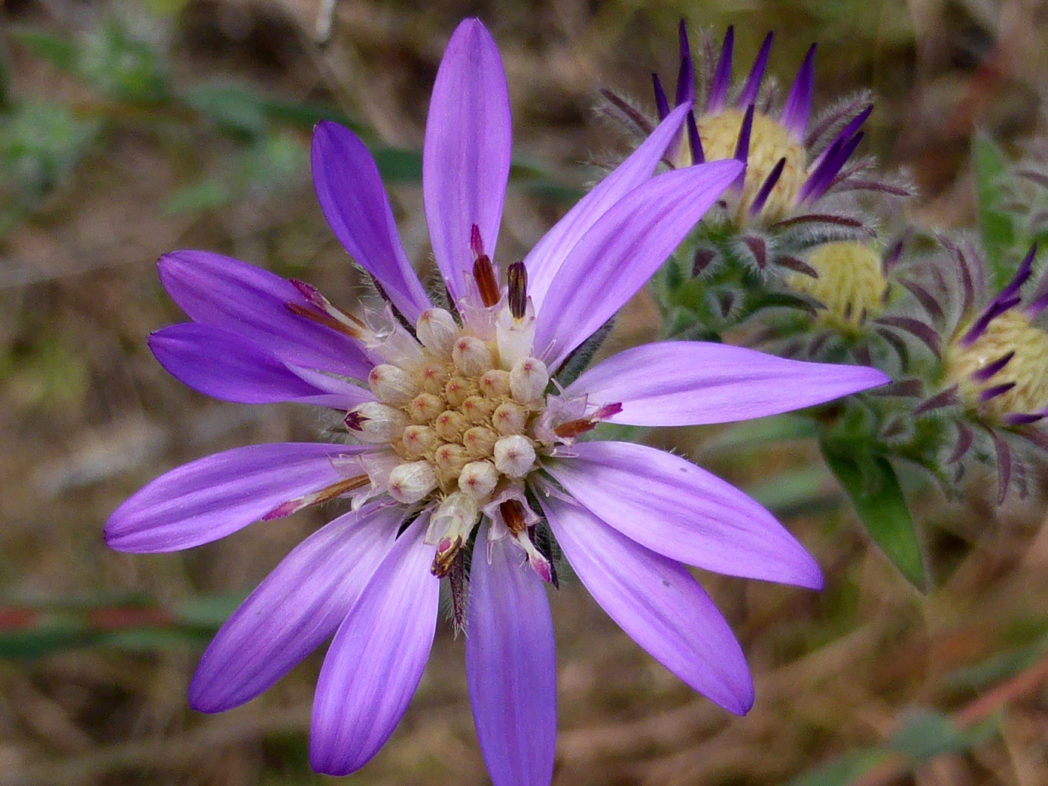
point(458, 414)
point(769, 143)
point(851, 282)
point(1023, 380)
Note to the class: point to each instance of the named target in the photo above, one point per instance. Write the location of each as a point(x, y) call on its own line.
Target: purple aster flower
point(464, 451)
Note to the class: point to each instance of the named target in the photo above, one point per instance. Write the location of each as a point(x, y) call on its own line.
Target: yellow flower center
point(851, 283)
point(769, 142)
point(1028, 369)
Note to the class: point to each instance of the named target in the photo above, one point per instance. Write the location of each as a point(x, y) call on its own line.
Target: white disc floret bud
point(471, 356)
point(514, 456)
point(391, 385)
point(528, 380)
point(376, 423)
point(478, 479)
point(437, 330)
point(411, 482)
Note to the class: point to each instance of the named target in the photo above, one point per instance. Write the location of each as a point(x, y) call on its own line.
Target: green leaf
point(842, 770)
point(60, 51)
point(122, 66)
point(230, 107)
point(198, 197)
point(926, 734)
point(996, 224)
point(874, 490)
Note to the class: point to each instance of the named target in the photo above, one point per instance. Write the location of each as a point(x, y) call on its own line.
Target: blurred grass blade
point(926, 734)
point(842, 770)
point(874, 490)
point(60, 51)
point(996, 223)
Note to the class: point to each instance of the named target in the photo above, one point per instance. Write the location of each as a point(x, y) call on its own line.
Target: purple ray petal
point(546, 258)
point(676, 509)
point(843, 136)
point(685, 74)
point(657, 602)
point(295, 609)
point(226, 366)
point(466, 154)
point(226, 293)
point(688, 383)
point(511, 666)
point(622, 250)
point(376, 659)
point(722, 76)
point(353, 199)
point(211, 497)
point(742, 146)
point(795, 112)
point(753, 82)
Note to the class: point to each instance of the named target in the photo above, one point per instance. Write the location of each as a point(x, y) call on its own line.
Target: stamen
point(513, 514)
point(285, 509)
point(447, 550)
point(322, 319)
point(483, 271)
point(321, 303)
point(573, 428)
point(518, 289)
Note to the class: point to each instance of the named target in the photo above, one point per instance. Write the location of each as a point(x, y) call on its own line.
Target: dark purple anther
point(742, 147)
point(795, 113)
point(995, 391)
point(753, 81)
point(722, 77)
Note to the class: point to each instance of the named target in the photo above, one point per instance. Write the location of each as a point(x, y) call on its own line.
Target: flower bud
point(514, 456)
point(424, 407)
point(495, 383)
point(528, 380)
point(418, 440)
point(374, 422)
point(391, 385)
point(412, 481)
point(478, 409)
point(450, 459)
point(451, 425)
point(437, 330)
point(479, 441)
point(509, 418)
point(472, 356)
point(456, 390)
point(478, 479)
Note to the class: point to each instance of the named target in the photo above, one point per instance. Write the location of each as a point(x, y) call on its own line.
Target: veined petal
point(466, 153)
point(511, 666)
point(226, 366)
point(676, 509)
point(295, 609)
point(546, 258)
point(212, 497)
point(354, 202)
point(376, 659)
point(688, 383)
point(622, 250)
point(657, 602)
point(226, 293)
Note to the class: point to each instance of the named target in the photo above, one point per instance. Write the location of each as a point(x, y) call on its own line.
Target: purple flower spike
point(795, 113)
point(686, 75)
point(722, 76)
point(460, 449)
point(698, 156)
point(822, 178)
point(742, 146)
point(752, 87)
point(766, 187)
point(662, 104)
point(991, 369)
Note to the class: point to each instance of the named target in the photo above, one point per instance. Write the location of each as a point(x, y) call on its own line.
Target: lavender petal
point(511, 667)
point(622, 250)
point(226, 293)
point(676, 509)
point(212, 497)
point(294, 610)
point(657, 602)
point(466, 153)
point(795, 113)
point(546, 258)
point(376, 658)
point(354, 202)
point(689, 383)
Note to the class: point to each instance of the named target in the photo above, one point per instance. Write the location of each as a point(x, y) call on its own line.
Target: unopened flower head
point(847, 278)
point(462, 442)
point(791, 163)
point(999, 357)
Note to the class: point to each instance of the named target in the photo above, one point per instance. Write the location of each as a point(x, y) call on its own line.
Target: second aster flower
point(463, 452)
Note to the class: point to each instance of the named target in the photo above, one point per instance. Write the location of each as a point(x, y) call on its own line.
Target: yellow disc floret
point(851, 282)
point(1027, 369)
point(769, 142)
